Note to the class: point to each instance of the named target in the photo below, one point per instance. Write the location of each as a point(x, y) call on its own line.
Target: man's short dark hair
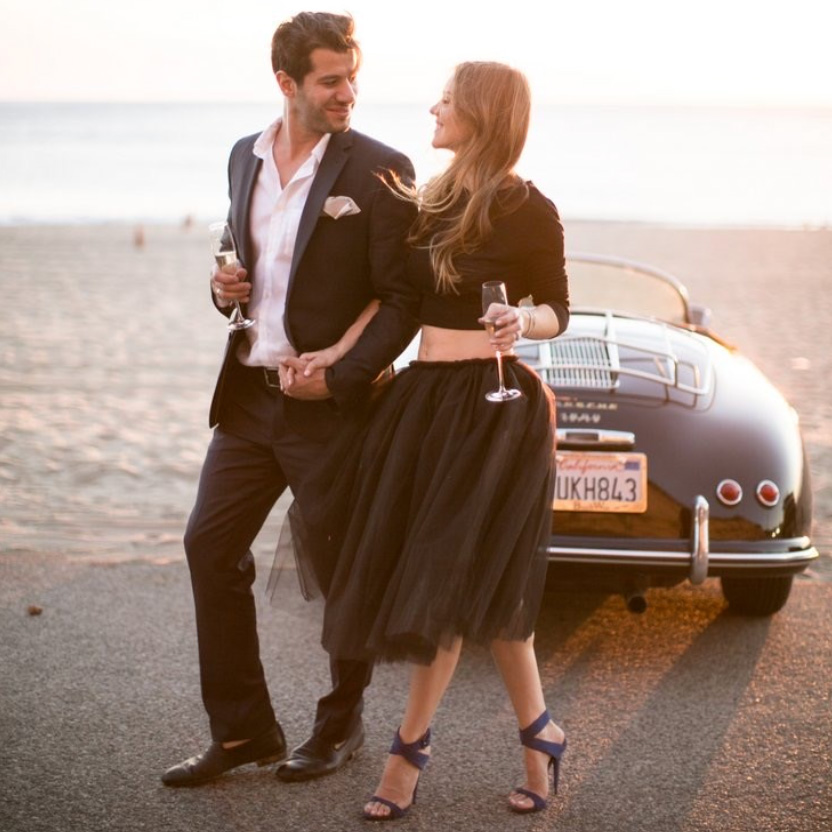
point(296, 38)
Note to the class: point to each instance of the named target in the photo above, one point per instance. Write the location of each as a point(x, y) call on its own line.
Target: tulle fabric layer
point(429, 518)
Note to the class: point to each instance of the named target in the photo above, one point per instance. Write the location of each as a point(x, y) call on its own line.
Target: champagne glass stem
point(237, 320)
point(502, 385)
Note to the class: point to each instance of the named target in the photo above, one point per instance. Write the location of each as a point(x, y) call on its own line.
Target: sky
point(672, 52)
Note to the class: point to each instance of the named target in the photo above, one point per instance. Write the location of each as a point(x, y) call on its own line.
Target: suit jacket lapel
point(337, 153)
point(242, 205)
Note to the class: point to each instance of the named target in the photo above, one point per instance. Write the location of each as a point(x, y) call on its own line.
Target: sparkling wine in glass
point(494, 291)
point(225, 254)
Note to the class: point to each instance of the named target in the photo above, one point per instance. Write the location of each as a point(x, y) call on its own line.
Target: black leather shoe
point(267, 748)
point(317, 757)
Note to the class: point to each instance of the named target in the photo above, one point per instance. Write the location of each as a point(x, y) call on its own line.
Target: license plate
point(601, 482)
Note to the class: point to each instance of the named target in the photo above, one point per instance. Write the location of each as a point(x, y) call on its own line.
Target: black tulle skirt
point(429, 517)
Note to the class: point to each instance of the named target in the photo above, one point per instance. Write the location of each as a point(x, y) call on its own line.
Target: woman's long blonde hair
point(455, 208)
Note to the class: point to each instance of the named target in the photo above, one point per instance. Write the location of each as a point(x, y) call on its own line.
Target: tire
point(757, 596)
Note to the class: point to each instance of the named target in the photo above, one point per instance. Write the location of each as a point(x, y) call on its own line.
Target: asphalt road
point(684, 718)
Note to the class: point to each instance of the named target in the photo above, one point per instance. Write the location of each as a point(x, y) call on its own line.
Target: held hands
point(229, 284)
point(303, 377)
point(509, 322)
point(320, 359)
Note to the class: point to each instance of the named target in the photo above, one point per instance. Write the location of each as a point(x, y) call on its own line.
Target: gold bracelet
point(530, 310)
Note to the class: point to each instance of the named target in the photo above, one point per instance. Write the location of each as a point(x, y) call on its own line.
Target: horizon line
point(415, 101)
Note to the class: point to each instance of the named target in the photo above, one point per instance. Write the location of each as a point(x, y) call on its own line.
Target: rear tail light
point(768, 493)
point(729, 492)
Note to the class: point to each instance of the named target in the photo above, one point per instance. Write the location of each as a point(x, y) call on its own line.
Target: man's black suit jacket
point(337, 268)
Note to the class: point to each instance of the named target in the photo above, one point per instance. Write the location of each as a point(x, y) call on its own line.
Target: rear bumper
point(718, 562)
point(695, 558)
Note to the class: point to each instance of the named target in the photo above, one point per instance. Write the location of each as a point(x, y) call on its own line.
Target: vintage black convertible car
point(677, 458)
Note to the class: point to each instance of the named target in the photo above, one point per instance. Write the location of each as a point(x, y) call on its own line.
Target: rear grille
point(598, 362)
point(588, 363)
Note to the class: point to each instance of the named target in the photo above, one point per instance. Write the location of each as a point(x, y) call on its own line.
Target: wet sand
point(109, 353)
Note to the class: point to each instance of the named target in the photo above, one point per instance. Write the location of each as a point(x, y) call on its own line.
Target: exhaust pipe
point(635, 601)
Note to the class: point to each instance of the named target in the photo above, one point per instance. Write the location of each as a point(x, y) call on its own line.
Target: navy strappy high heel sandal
point(529, 738)
point(412, 752)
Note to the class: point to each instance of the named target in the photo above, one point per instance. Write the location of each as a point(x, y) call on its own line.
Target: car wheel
point(757, 596)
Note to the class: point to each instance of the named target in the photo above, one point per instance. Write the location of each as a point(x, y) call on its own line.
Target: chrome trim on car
point(648, 557)
point(701, 541)
point(594, 362)
point(590, 363)
point(581, 437)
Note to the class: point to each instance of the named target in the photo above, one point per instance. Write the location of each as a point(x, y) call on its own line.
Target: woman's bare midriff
point(436, 344)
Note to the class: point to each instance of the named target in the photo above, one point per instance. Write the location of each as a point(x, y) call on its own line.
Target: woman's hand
point(298, 382)
point(513, 323)
point(321, 359)
point(303, 377)
point(508, 323)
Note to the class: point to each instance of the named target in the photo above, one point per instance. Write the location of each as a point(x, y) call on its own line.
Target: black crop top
point(525, 251)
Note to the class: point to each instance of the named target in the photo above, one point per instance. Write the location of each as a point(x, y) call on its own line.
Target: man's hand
point(298, 385)
point(229, 284)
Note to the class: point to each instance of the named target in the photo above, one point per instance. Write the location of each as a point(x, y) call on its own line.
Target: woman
point(429, 525)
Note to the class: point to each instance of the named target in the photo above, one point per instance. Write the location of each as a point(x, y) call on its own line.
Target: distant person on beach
point(426, 524)
point(320, 241)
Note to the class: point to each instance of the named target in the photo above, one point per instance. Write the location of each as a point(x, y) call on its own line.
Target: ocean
point(163, 162)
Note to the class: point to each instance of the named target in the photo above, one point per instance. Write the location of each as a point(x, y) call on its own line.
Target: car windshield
point(596, 284)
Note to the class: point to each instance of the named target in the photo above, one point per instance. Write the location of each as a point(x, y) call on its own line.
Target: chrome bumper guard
point(700, 540)
point(698, 560)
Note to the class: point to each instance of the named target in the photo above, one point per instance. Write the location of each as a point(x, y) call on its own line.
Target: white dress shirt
point(274, 219)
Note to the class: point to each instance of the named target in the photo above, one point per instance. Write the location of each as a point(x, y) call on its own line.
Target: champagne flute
point(494, 291)
point(225, 253)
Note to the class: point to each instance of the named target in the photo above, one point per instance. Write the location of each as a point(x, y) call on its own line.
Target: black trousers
point(253, 456)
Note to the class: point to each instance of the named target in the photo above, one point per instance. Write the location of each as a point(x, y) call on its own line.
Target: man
point(318, 236)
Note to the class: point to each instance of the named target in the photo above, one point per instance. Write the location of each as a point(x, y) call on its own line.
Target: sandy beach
point(109, 352)
point(686, 719)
